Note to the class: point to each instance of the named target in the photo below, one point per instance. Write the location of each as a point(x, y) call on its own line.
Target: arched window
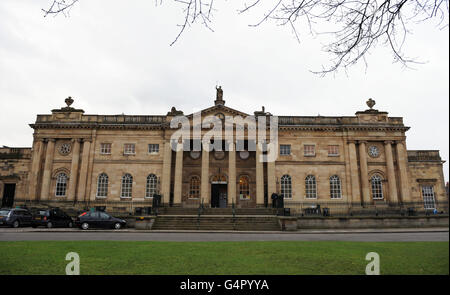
point(61, 184)
point(335, 187)
point(102, 186)
point(377, 187)
point(286, 187)
point(152, 186)
point(311, 187)
point(194, 187)
point(244, 188)
point(127, 185)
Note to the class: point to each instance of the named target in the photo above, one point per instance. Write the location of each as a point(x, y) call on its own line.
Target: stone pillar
point(402, 162)
point(205, 176)
point(354, 175)
point(83, 170)
point(392, 182)
point(231, 173)
point(271, 179)
point(177, 190)
point(259, 177)
point(35, 167)
point(166, 172)
point(74, 169)
point(364, 172)
point(48, 164)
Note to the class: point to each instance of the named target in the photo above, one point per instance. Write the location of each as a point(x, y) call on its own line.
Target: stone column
point(231, 173)
point(177, 190)
point(74, 169)
point(364, 172)
point(259, 177)
point(46, 178)
point(392, 182)
point(84, 170)
point(35, 167)
point(271, 179)
point(402, 162)
point(354, 175)
point(205, 176)
point(166, 172)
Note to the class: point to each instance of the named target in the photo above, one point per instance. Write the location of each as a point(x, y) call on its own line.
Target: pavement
point(364, 235)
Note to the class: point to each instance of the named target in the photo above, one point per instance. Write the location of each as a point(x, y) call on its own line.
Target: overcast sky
point(114, 57)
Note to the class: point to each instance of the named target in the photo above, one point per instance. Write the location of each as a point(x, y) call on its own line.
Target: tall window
point(286, 187)
point(152, 186)
point(377, 187)
point(428, 197)
point(285, 149)
point(102, 186)
point(311, 187)
point(105, 148)
point(335, 187)
point(129, 149)
point(333, 150)
point(61, 184)
point(127, 185)
point(309, 150)
point(244, 188)
point(153, 148)
point(194, 187)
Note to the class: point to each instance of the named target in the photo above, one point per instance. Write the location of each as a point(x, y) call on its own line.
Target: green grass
point(217, 258)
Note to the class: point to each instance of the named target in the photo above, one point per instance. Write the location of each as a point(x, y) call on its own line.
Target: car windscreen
point(4, 212)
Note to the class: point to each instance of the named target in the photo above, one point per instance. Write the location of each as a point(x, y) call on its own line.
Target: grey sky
point(114, 57)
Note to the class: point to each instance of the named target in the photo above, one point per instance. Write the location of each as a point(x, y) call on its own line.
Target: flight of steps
point(216, 211)
point(210, 222)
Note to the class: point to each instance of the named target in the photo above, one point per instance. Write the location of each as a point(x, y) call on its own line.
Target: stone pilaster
point(84, 170)
point(74, 169)
point(364, 172)
point(354, 175)
point(392, 182)
point(402, 161)
point(38, 150)
point(205, 176)
point(166, 172)
point(48, 164)
point(259, 177)
point(177, 190)
point(231, 173)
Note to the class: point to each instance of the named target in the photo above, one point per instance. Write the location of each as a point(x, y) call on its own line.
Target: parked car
point(15, 217)
point(53, 217)
point(99, 219)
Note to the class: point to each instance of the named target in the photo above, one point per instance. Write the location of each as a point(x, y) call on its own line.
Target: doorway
point(8, 195)
point(219, 195)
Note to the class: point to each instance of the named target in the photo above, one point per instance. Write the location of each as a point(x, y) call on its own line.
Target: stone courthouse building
point(122, 161)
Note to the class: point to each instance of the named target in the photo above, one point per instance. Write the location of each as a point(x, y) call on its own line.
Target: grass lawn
point(216, 258)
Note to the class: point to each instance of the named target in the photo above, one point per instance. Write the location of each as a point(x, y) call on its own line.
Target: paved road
point(194, 237)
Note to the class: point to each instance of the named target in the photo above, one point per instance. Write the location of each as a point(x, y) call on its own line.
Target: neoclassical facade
point(122, 161)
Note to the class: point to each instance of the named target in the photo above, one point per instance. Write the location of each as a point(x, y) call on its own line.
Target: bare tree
point(357, 25)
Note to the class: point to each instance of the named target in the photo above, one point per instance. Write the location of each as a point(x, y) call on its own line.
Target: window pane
point(310, 150)
point(286, 186)
point(310, 187)
point(61, 185)
point(152, 184)
point(428, 197)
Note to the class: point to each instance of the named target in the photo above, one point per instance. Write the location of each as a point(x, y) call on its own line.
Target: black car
point(99, 219)
point(53, 217)
point(15, 217)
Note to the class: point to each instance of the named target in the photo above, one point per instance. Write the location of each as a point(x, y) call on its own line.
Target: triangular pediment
point(220, 109)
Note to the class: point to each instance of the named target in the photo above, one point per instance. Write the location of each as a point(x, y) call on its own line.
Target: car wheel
point(84, 225)
point(49, 224)
point(16, 224)
point(70, 224)
point(117, 225)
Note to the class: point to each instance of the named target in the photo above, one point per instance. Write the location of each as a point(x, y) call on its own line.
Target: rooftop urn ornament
point(370, 103)
point(69, 101)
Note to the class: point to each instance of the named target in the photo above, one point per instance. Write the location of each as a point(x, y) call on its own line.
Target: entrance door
point(218, 195)
point(8, 195)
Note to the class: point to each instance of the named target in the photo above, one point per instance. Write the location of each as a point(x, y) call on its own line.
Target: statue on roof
point(219, 96)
